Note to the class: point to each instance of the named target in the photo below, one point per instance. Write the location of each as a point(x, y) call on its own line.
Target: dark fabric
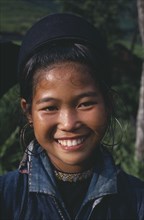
point(32, 193)
point(127, 204)
point(17, 204)
point(73, 194)
point(60, 26)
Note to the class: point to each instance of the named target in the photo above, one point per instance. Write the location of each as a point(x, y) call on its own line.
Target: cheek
point(97, 120)
point(44, 126)
point(39, 124)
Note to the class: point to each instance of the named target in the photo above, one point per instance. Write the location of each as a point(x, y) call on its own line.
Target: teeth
point(71, 143)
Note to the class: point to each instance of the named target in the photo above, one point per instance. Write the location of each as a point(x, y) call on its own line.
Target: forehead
point(74, 73)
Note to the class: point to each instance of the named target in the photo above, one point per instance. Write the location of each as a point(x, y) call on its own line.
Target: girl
point(67, 172)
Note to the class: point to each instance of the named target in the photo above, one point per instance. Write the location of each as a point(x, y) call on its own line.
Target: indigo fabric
point(32, 193)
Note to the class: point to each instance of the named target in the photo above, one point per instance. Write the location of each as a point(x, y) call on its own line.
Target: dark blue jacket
point(33, 195)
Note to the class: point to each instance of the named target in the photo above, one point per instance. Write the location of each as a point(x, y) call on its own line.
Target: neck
point(76, 167)
point(72, 168)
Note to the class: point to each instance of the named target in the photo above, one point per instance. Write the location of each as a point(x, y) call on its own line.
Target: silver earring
point(27, 134)
point(24, 133)
point(114, 131)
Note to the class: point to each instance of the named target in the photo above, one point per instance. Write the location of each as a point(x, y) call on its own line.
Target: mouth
point(71, 142)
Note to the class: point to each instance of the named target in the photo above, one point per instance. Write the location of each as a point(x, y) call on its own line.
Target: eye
point(86, 105)
point(50, 108)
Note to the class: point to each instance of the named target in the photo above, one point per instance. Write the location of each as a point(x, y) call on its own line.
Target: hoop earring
point(23, 140)
point(111, 133)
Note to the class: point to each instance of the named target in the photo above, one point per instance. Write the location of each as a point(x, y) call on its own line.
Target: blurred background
point(119, 23)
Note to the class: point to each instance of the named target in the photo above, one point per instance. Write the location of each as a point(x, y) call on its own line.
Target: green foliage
point(124, 153)
point(127, 99)
point(138, 50)
point(18, 15)
point(126, 112)
point(8, 113)
point(110, 16)
point(10, 151)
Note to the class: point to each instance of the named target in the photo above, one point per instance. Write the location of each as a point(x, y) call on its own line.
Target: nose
point(69, 120)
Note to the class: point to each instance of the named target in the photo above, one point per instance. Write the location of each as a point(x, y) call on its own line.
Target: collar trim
point(73, 177)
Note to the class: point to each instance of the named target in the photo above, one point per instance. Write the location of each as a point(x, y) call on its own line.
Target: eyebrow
point(80, 96)
point(86, 94)
point(45, 99)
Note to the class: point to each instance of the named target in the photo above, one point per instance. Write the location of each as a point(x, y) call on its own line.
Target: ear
point(26, 110)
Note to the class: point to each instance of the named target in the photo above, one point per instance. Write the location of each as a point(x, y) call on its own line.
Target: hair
point(69, 51)
point(61, 52)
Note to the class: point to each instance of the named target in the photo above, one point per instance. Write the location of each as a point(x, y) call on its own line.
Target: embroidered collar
point(73, 177)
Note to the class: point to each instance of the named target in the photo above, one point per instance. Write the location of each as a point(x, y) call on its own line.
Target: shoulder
point(136, 183)
point(9, 178)
point(133, 182)
point(133, 188)
point(137, 186)
point(10, 175)
point(12, 182)
point(13, 188)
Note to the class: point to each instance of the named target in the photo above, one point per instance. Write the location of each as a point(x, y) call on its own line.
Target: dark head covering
point(59, 27)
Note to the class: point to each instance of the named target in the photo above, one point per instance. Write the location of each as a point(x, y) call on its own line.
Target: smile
point(71, 142)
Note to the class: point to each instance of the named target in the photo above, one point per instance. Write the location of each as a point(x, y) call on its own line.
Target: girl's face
point(69, 115)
